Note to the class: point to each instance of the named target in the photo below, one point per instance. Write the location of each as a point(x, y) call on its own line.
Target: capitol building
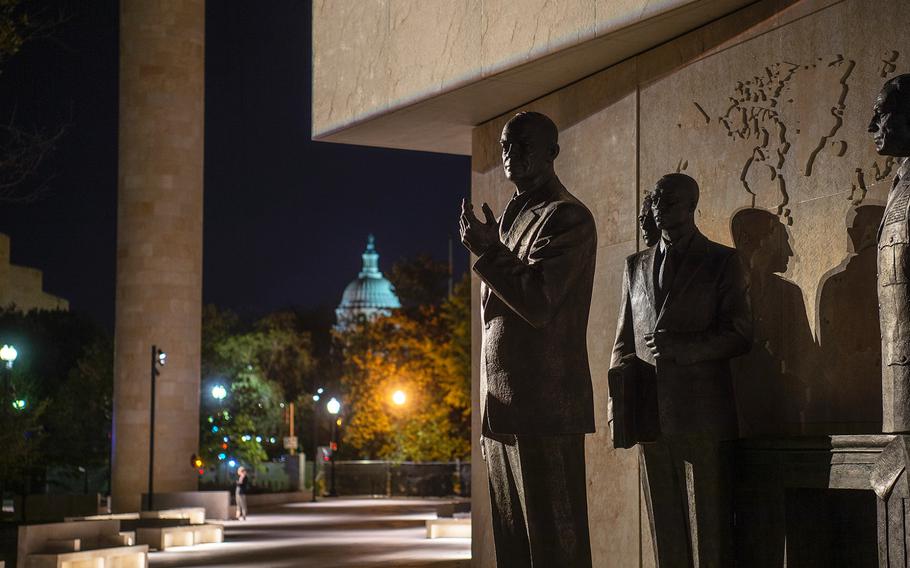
point(370, 294)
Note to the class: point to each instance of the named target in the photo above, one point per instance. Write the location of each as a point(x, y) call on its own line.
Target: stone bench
point(195, 515)
point(449, 528)
point(77, 544)
point(116, 557)
point(164, 537)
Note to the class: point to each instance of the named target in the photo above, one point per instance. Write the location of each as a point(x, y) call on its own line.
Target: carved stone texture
point(890, 483)
point(890, 129)
point(685, 312)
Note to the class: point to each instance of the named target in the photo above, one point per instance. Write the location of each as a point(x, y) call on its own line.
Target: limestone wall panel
point(767, 109)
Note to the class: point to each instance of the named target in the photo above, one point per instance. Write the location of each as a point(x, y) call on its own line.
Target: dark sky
point(285, 218)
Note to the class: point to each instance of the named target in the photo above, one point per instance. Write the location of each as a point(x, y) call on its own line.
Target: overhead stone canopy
point(420, 75)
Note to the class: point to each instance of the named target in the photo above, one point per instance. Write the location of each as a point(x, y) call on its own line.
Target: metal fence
point(412, 479)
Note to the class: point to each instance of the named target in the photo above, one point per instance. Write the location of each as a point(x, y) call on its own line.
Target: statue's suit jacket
point(708, 307)
point(535, 297)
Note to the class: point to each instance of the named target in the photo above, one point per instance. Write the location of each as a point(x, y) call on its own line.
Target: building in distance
point(22, 287)
point(370, 294)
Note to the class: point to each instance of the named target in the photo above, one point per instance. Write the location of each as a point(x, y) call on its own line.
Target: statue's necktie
point(666, 273)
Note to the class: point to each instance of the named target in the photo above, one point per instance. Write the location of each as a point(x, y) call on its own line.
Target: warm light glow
point(399, 397)
point(8, 353)
point(333, 406)
point(219, 392)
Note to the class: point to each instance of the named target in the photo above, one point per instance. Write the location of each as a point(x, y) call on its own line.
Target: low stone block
point(119, 557)
point(449, 528)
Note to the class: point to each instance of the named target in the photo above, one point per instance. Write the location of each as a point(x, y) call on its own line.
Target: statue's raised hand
point(477, 235)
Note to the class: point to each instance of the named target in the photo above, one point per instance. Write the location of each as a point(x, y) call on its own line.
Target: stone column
point(159, 243)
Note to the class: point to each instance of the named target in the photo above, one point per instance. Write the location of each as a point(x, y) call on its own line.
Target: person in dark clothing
point(241, 486)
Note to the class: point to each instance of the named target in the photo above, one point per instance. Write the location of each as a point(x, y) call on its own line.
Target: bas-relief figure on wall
point(848, 329)
point(890, 129)
point(536, 266)
point(685, 312)
point(773, 379)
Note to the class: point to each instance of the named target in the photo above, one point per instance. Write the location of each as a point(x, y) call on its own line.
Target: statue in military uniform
point(890, 129)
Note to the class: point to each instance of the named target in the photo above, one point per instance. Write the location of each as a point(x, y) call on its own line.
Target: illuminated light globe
point(219, 392)
point(19, 404)
point(333, 406)
point(258, 439)
point(232, 463)
point(222, 456)
point(399, 397)
point(8, 354)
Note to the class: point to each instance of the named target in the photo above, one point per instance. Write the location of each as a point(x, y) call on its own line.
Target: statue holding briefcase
point(684, 314)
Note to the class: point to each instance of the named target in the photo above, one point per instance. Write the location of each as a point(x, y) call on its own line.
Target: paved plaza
point(360, 532)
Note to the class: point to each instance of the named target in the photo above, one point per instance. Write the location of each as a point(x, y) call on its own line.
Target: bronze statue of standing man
point(684, 314)
point(536, 264)
point(890, 129)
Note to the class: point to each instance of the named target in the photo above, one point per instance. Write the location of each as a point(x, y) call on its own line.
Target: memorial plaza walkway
point(343, 532)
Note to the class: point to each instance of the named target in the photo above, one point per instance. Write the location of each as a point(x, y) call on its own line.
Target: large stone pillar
point(159, 243)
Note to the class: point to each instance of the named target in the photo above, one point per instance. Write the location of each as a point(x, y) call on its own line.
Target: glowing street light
point(333, 406)
point(219, 393)
point(8, 354)
point(399, 397)
point(19, 404)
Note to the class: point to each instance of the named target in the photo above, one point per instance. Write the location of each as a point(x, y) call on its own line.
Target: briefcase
point(632, 412)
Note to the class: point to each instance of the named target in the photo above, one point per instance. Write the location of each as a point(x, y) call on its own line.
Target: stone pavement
point(344, 532)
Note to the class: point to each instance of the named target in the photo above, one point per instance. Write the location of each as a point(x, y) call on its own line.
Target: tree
point(263, 366)
point(420, 281)
point(427, 356)
point(64, 376)
point(24, 149)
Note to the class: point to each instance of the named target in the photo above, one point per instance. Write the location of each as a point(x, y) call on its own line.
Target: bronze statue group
point(684, 314)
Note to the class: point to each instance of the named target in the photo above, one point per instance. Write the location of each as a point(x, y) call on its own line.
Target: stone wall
point(767, 109)
point(23, 287)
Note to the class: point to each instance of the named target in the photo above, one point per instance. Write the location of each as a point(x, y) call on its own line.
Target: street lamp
point(159, 358)
point(8, 354)
point(219, 392)
point(334, 407)
point(399, 398)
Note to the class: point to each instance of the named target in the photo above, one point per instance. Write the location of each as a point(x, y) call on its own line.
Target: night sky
point(285, 218)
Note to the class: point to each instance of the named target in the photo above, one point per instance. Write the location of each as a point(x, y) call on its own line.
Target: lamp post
point(159, 358)
point(316, 398)
point(334, 407)
point(8, 354)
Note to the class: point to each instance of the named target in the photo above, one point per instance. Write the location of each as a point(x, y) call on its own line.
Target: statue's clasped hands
point(663, 344)
point(477, 235)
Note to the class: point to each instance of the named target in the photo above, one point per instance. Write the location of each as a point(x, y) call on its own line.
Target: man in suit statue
point(536, 265)
point(890, 129)
point(685, 310)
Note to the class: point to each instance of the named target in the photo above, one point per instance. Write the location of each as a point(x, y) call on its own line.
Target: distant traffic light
point(196, 462)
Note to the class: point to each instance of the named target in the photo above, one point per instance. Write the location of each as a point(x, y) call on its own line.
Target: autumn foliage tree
point(424, 353)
